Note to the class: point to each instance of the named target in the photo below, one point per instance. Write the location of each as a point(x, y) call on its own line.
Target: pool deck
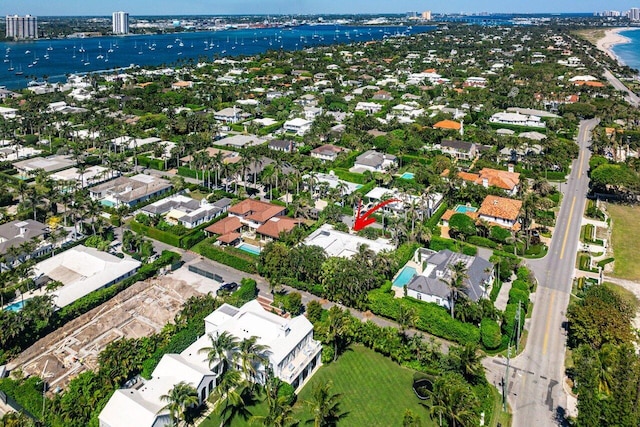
point(399, 290)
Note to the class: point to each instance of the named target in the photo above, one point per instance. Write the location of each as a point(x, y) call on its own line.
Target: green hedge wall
point(490, 334)
point(432, 318)
point(232, 257)
point(148, 162)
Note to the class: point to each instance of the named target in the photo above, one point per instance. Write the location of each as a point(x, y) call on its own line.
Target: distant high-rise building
point(120, 23)
point(634, 14)
point(426, 15)
point(22, 27)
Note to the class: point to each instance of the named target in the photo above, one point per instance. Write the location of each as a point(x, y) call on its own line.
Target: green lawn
point(376, 391)
point(626, 228)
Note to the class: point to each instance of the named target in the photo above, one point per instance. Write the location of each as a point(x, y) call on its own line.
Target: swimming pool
point(107, 203)
point(16, 306)
point(464, 209)
point(407, 175)
point(249, 248)
point(405, 276)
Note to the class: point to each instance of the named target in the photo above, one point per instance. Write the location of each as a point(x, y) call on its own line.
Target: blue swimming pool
point(464, 209)
point(107, 203)
point(249, 248)
point(16, 306)
point(407, 175)
point(405, 276)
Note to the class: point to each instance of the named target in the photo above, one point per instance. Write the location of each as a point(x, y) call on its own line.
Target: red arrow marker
point(363, 220)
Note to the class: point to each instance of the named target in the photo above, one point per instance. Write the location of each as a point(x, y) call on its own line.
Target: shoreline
point(612, 38)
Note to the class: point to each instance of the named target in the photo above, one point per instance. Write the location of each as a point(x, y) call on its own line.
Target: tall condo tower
point(120, 23)
point(22, 27)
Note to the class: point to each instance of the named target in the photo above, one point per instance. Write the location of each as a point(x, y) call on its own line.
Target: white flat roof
point(344, 245)
point(83, 270)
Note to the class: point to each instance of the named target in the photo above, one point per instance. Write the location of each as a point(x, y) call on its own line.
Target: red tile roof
point(500, 207)
point(225, 225)
point(255, 210)
point(277, 225)
point(228, 238)
point(447, 124)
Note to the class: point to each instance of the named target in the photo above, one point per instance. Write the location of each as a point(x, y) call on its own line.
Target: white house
point(293, 357)
point(344, 245)
point(375, 161)
point(433, 271)
point(368, 107)
point(517, 119)
point(298, 126)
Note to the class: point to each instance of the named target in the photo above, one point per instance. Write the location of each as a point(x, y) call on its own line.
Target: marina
point(53, 60)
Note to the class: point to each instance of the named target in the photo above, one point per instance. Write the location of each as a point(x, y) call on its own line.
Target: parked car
point(227, 288)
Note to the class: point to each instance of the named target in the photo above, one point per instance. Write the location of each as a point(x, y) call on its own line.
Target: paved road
point(535, 382)
point(631, 97)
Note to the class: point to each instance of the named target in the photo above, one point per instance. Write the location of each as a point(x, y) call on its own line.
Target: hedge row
point(148, 162)
point(237, 259)
point(345, 175)
point(435, 218)
point(482, 241)
point(440, 243)
point(432, 318)
point(490, 334)
point(154, 233)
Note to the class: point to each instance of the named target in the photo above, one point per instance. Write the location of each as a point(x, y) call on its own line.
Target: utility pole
point(44, 386)
point(505, 381)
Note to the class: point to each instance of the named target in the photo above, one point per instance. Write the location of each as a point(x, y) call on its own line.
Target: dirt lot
point(141, 310)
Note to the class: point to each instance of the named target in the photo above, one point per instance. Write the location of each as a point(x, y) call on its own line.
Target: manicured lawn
point(376, 391)
point(626, 228)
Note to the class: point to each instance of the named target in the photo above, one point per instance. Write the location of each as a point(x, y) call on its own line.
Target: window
point(419, 296)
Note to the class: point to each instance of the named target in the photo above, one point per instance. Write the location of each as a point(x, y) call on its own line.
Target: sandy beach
point(611, 38)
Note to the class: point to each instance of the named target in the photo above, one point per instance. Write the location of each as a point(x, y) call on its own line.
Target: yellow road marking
point(566, 231)
point(581, 162)
point(546, 330)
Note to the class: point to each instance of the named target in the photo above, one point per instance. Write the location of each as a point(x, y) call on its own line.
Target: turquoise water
point(465, 209)
point(108, 203)
point(405, 276)
point(249, 248)
point(16, 306)
point(407, 175)
point(629, 53)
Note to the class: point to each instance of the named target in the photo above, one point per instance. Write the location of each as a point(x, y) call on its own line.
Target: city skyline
point(166, 7)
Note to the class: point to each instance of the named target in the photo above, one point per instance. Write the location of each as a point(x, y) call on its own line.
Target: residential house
point(230, 115)
point(375, 161)
point(448, 125)
point(181, 84)
point(188, 212)
point(83, 270)
point(298, 126)
point(49, 164)
point(344, 245)
point(517, 119)
point(461, 150)
point(433, 271)
point(254, 213)
point(382, 95)
point(16, 233)
point(501, 211)
point(129, 191)
point(369, 107)
point(286, 146)
point(327, 152)
point(294, 356)
point(479, 82)
point(487, 177)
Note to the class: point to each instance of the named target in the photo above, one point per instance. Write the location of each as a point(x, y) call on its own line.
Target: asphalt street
point(536, 375)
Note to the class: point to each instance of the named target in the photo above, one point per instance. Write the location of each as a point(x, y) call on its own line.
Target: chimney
point(510, 167)
point(485, 182)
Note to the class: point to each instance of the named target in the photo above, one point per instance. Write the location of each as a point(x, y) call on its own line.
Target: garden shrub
point(490, 334)
point(482, 241)
point(499, 234)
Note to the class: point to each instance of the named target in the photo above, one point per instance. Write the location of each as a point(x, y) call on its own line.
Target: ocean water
point(629, 53)
point(55, 59)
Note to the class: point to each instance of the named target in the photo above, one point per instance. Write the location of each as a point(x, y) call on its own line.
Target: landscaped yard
point(376, 391)
point(626, 230)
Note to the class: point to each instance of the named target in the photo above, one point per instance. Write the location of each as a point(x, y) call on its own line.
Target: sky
point(219, 7)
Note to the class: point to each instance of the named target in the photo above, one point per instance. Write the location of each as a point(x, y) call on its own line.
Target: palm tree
point(456, 282)
point(469, 358)
point(280, 410)
point(229, 395)
point(251, 356)
point(407, 317)
point(337, 328)
point(325, 406)
point(453, 400)
point(223, 347)
point(179, 399)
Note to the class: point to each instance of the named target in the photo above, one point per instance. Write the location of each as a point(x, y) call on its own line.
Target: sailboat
point(10, 66)
point(19, 72)
point(110, 48)
point(50, 48)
